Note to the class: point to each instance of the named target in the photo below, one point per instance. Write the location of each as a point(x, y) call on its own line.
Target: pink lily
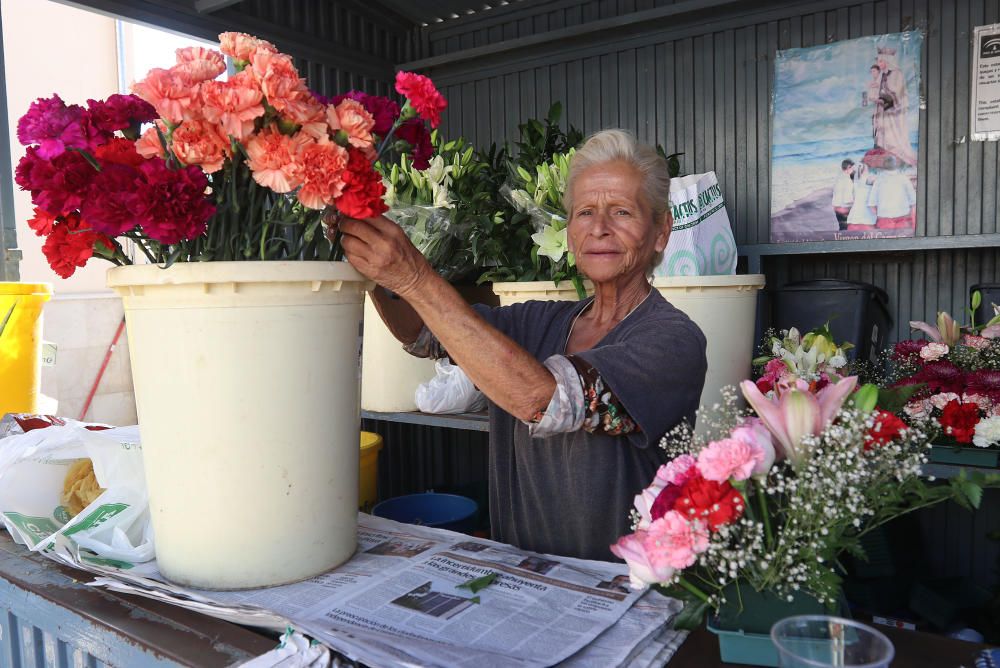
point(990, 332)
point(947, 331)
point(796, 412)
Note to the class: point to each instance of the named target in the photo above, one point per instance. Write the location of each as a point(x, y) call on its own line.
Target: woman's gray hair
point(620, 145)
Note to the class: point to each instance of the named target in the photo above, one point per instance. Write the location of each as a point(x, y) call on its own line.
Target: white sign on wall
point(985, 119)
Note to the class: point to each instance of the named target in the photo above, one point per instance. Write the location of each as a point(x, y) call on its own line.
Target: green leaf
point(477, 584)
point(866, 398)
point(893, 399)
point(977, 299)
point(691, 617)
point(969, 491)
point(555, 111)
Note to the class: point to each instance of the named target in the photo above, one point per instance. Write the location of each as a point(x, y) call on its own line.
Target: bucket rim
point(713, 281)
point(17, 288)
point(254, 271)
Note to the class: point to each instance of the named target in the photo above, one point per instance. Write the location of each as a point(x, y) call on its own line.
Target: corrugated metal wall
point(703, 85)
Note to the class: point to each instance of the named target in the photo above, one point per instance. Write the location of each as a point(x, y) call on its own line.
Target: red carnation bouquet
point(256, 167)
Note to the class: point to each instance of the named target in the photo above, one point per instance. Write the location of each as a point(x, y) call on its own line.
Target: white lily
point(438, 172)
point(442, 197)
point(551, 242)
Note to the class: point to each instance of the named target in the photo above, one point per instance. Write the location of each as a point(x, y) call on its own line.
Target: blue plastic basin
point(443, 511)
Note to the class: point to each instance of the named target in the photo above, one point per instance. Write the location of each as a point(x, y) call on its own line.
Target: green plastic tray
point(950, 454)
point(755, 649)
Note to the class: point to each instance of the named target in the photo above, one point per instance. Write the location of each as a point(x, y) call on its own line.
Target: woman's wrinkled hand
point(379, 249)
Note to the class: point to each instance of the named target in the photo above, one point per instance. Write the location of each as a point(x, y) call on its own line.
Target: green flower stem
point(692, 589)
point(762, 499)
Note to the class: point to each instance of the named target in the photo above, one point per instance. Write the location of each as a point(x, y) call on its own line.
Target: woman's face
point(611, 229)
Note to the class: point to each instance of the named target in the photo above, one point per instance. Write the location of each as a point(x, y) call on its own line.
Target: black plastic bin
point(991, 296)
point(858, 313)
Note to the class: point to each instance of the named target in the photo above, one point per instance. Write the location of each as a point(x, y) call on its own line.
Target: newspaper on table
point(403, 599)
point(397, 602)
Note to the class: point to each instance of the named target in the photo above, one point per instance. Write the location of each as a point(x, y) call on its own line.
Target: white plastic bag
point(702, 242)
point(114, 528)
point(450, 391)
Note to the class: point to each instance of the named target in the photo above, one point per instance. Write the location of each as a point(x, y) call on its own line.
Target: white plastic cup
point(822, 641)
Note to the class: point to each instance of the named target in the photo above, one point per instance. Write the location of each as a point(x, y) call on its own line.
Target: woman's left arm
point(505, 372)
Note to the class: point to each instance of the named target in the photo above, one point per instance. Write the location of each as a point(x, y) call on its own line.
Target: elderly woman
point(581, 392)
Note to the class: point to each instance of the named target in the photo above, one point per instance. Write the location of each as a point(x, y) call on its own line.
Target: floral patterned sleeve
point(603, 413)
point(581, 401)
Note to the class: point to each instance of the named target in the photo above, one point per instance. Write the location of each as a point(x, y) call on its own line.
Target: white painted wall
point(53, 48)
point(83, 315)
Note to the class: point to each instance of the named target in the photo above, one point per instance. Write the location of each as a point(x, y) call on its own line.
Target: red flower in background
point(119, 151)
point(110, 207)
point(120, 112)
point(71, 244)
point(423, 96)
point(908, 350)
point(415, 133)
point(939, 376)
point(171, 203)
point(886, 429)
point(363, 189)
point(985, 382)
point(58, 185)
point(959, 420)
point(41, 223)
point(717, 503)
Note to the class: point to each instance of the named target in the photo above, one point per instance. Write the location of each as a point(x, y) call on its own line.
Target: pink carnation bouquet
point(253, 167)
point(766, 500)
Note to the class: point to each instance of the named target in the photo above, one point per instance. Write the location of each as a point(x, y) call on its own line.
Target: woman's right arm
point(404, 323)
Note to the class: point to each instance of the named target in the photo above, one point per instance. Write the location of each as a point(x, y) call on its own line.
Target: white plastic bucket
point(246, 379)
point(389, 374)
point(725, 308)
point(515, 292)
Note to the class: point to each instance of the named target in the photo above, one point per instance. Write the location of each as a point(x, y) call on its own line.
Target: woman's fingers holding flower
point(380, 250)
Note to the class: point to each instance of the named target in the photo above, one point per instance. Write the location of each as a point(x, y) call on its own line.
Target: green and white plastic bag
point(702, 242)
point(114, 529)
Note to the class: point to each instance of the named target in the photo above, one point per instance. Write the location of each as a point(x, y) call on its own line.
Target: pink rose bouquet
point(254, 167)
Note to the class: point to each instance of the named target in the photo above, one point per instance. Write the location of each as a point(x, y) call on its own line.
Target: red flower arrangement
point(952, 380)
point(246, 168)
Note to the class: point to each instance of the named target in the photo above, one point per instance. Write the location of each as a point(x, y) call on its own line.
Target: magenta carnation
point(55, 127)
point(58, 185)
point(111, 201)
point(414, 132)
point(940, 376)
point(904, 350)
point(985, 382)
point(171, 203)
point(120, 112)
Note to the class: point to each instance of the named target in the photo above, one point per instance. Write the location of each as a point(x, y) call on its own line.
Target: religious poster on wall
point(844, 142)
point(985, 121)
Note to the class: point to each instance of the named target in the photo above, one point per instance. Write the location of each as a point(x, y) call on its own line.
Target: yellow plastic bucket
point(367, 493)
point(21, 344)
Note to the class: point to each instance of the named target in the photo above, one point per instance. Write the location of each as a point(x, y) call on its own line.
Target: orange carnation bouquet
point(253, 167)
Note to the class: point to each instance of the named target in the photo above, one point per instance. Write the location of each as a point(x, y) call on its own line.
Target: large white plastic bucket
point(247, 381)
point(515, 292)
point(389, 374)
point(725, 308)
